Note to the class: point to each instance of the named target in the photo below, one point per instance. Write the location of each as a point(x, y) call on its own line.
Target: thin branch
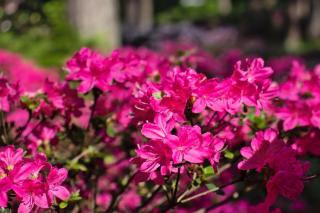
point(312, 177)
point(210, 120)
point(176, 186)
point(211, 190)
point(4, 127)
point(186, 193)
point(166, 192)
point(96, 94)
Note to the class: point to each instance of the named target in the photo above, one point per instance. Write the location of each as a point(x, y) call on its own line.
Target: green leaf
point(110, 130)
point(75, 196)
point(211, 186)
point(4, 210)
point(157, 95)
point(228, 154)
point(208, 171)
point(77, 166)
point(109, 159)
point(259, 121)
point(24, 99)
point(63, 205)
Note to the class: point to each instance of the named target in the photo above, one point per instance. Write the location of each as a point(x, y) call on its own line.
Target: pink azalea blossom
point(206, 95)
point(294, 114)
point(129, 201)
point(54, 180)
point(8, 93)
point(263, 147)
point(286, 183)
point(24, 177)
point(89, 68)
point(153, 156)
point(187, 145)
point(309, 143)
point(32, 194)
point(252, 71)
point(158, 130)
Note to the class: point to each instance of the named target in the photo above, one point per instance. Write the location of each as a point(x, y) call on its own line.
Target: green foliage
point(5, 210)
point(74, 197)
point(208, 171)
point(110, 129)
point(208, 10)
point(228, 154)
point(259, 122)
point(40, 32)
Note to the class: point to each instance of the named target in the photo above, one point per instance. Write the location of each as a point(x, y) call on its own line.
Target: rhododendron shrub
point(143, 131)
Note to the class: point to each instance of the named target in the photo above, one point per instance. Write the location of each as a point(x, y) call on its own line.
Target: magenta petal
point(199, 105)
point(194, 156)
point(149, 166)
point(61, 192)
point(26, 205)
point(41, 200)
point(246, 152)
point(86, 85)
point(290, 123)
point(152, 131)
point(3, 199)
point(57, 176)
point(177, 157)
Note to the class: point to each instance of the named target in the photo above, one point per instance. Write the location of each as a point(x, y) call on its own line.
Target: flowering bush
point(143, 131)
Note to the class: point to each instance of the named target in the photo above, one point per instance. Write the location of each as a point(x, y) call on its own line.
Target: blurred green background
point(49, 31)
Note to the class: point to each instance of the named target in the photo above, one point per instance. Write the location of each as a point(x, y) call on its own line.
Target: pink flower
point(248, 86)
point(178, 86)
point(286, 183)
point(8, 93)
point(294, 114)
point(37, 134)
point(158, 130)
point(4, 188)
point(54, 180)
point(187, 145)
point(29, 76)
point(32, 193)
point(268, 91)
point(24, 177)
point(252, 71)
point(9, 157)
point(207, 93)
point(266, 149)
point(262, 208)
point(61, 98)
point(214, 145)
point(103, 200)
point(315, 119)
point(309, 143)
point(154, 155)
point(263, 147)
point(48, 133)
point(129, 201)
point(89, 68)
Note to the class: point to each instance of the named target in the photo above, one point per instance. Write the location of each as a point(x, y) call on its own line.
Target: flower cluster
point(139, 131)
point(18, 69)
point(300, 98)
point(34, 181)
point(267, 152)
